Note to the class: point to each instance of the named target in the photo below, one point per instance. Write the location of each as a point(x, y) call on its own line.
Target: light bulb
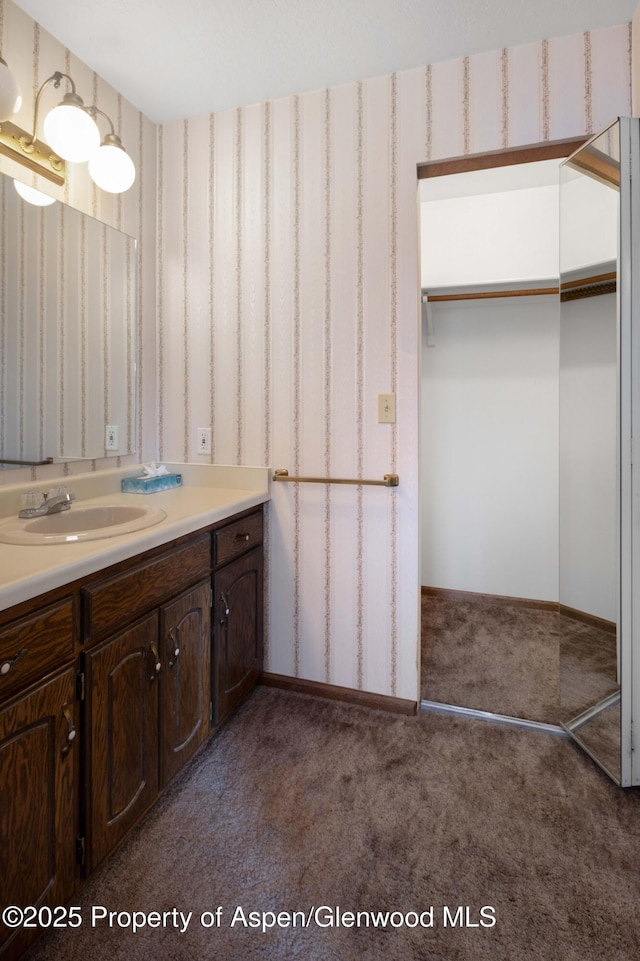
point(10, 96)
point(111, 168)
point(70, 131)
point(33, 196)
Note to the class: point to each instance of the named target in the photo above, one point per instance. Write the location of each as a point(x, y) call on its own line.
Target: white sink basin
point(80, 524)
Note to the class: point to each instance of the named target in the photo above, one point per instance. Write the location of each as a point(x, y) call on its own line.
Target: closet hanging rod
point(492, 294)
point(390, 480)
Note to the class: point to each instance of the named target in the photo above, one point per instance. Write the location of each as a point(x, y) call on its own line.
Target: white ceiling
point(180, 58)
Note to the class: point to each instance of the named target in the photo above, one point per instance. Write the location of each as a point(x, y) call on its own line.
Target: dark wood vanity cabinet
point(237, 592)
point(121, 681)
point(147, 707)
point(237, 612)
point(39, 761)
point(38, 802)
point(147, 685)
point(185, 693)
point(107, 688)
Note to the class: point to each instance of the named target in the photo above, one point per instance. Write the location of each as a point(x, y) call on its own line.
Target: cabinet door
point(185, 692)
point(38, 802)
point(122, 681)
point(237, 605)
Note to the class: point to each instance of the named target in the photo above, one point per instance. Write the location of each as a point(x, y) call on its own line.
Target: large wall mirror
point(67, 334)
point(598, 227)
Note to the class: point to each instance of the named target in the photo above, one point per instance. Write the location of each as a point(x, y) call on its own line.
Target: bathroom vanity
point(113, 678)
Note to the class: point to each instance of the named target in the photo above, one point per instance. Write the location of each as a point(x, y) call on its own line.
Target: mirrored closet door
point(599, 393)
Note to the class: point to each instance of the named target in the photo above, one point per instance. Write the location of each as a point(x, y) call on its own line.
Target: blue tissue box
point(150, 485)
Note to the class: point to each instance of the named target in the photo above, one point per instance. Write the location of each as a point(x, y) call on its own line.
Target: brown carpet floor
point(513, 660)
point(601, 736)
point(300, 803)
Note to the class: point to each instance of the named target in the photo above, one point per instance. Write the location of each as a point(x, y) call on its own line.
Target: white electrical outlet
point(111, 437)
point(386, 408)
point(204, 440)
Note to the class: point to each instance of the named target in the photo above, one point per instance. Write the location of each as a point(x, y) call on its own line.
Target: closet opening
point(490, 437)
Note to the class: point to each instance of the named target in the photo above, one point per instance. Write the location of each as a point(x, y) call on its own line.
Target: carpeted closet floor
point(301, 803)
point(515, 660)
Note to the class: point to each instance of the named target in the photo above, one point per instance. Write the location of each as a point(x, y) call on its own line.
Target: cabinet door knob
point(176, 648)
point(157, 663)
point(71, 733)
point(11, 662)
point(242, 537)
point(225, 609)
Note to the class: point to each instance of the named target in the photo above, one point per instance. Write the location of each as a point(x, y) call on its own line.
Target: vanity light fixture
point(10, 96)
point(69, 128)
point(72, 135)
point(110, 166)
point(33, 196)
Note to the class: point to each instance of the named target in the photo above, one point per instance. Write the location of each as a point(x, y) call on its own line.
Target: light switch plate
point(386, 408)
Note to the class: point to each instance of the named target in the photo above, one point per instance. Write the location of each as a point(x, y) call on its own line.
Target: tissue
point(154, 477)
point(154, 470)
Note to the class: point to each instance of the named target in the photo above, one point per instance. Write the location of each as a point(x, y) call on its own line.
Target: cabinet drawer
point(112, 603)
point(35, 646)
point(236, 538)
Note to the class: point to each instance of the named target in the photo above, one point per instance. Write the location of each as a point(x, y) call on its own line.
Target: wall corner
point(635, 63)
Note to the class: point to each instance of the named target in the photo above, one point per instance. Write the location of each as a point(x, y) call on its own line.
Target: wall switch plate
point(204, 440)
point(386, 408)
point(111, 437)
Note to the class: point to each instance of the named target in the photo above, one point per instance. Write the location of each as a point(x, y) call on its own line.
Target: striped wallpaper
point(281, 297)
point(288, 299)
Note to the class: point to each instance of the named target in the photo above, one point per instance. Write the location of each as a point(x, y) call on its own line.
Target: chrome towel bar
point(390, 480)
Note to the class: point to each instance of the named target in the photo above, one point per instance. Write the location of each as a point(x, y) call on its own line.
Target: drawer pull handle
point(157, 665)
point(176, 649)
point(71, 733)
point(243, 537)
point(11, 662)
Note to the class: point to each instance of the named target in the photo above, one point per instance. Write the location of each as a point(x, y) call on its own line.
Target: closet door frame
point(532, 153)
point(628, 553)
point(629, 514)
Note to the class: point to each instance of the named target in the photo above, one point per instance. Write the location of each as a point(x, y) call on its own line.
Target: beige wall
point(287, 299)
point(635, 63)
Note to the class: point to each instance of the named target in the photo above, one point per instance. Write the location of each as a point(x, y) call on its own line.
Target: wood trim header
point(550, 150)
point(598, 165)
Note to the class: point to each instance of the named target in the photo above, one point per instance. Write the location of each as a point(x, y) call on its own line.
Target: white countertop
point(209, 494)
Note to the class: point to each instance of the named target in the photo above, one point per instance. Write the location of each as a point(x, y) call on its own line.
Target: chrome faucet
point(54, 502)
